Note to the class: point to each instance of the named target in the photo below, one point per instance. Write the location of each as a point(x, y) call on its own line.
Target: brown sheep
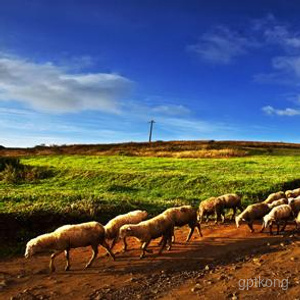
point(113, 226)
point(278, 202)
point(292, 193)
point(210, 206)
point(161, 225)
point(278, 213)
point(253, 212)
point(232, 201)
point(275, 196)
point(69, 236)
point(184, 215)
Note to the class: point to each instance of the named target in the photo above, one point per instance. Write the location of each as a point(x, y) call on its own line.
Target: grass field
point(84, 187)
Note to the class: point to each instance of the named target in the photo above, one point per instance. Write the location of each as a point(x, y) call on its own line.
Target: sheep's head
point(200, 214)
point(32, 247)
point(238, 221)
point(288, 193)
point(267, 221)
point(125, 230)
point(144, 214)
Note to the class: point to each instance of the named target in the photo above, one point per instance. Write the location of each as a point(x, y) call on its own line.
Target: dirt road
point(212, 267)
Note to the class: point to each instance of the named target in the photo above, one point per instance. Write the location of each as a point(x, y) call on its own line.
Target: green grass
point(146, 181)
point(100, 187)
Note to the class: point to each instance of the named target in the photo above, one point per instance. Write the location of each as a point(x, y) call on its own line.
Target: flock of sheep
point(278, 207)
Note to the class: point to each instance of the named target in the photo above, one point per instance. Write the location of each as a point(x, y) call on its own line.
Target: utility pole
point(151, 129)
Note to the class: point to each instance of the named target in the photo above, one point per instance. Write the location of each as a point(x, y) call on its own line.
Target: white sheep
point(113, 226)
point(161, 225)
point(275, 196)
point(295, 205)
point(278, 202)
point(253, 212)
point(209, 207)
point(292, 193)
point(184, 215)
point(232, 201)
point(66, 237)
point(279, 213)
point(297, 220)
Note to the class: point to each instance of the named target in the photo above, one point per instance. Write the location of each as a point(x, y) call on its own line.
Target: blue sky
point(99, 71)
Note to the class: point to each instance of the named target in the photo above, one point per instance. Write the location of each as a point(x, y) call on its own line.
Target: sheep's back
point(278, 202)
point(182, 215)
point(208, 205)
point(257, 210)
point(113, 226)
point(295, 205)
point(156, 226)
point(81, 235)
point(281, 212)
point(230, 200)
point(275, 196)
point(293, 193)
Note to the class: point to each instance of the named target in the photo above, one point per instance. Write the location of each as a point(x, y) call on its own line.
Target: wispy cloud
point(222, 45)
point(285, 68)
point(288, 64)
point(194, 126)
point(172, 110)
point(49, 88)
point(289, 112)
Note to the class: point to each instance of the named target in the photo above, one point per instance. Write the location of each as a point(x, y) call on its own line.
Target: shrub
point(12, 171)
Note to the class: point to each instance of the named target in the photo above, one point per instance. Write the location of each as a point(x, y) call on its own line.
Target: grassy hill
point(48, 186)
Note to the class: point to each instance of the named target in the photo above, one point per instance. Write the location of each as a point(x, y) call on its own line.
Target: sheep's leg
point(192, 228)
point(234, 212)
point(284, 225)
point(250, 225)
point(94, 255)
point(271, 232)
point(163, 245)
point(169, 243)
point(296, 226)
point(113, 242)
point(262, 228)
point(173, 237)
point(200, 219)
point(144, 249)
point(67, 254)
point(223, 217)
point(199, 229)
point(106, 247)
point(147, 250)
point(160, 242)
point(217, 216)
point(278, 226)
point(207, 218)
point(125, 244)
point(51, 264)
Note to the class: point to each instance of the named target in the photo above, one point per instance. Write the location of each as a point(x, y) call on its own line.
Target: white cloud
point(285, 67)
point(172, 110)
point(47, 87)
point(287, 64)
point(221, 45)
point(290, 112)
point(193, 126)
